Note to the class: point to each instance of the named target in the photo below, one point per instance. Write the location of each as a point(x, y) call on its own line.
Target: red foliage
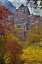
point(5, 23)
point(4, 13)
point(14, 49)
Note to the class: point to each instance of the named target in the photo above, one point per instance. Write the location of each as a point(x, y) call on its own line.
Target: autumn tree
point(5, 23)
point(34, 35)
point(32, 55)
point(12, 45)
point(4, 12)
point(8, 43)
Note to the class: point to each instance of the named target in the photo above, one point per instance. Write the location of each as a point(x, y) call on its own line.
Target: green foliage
point(35, 2)
point(7, 58)
point(18, 29)
point(2, 60)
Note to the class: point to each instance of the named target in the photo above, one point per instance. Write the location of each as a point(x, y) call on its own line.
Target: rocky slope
point(23, 18)
point(21, 14)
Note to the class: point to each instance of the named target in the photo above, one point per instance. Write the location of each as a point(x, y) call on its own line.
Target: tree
point(32, 55)
point(14, 49)
point(12, 45)
point(33, 38)
point(2, 60)
point(4, 12)
point(35, 3)
point(34, 35)
point(5, 23)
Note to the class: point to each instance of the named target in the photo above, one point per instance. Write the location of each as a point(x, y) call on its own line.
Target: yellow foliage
point(34, 35)
point(32, 54)
point(33, 38)
point(7, 58)
point(40, 43)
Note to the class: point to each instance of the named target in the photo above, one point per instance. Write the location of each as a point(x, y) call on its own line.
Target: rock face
point(25, 20)
point(21, 14)
point(33, 21)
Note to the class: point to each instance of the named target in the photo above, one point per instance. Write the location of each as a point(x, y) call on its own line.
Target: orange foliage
point(14, 49)
point(15, 32)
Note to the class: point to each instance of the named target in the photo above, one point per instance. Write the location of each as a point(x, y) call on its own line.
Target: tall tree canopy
point(35, 2)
